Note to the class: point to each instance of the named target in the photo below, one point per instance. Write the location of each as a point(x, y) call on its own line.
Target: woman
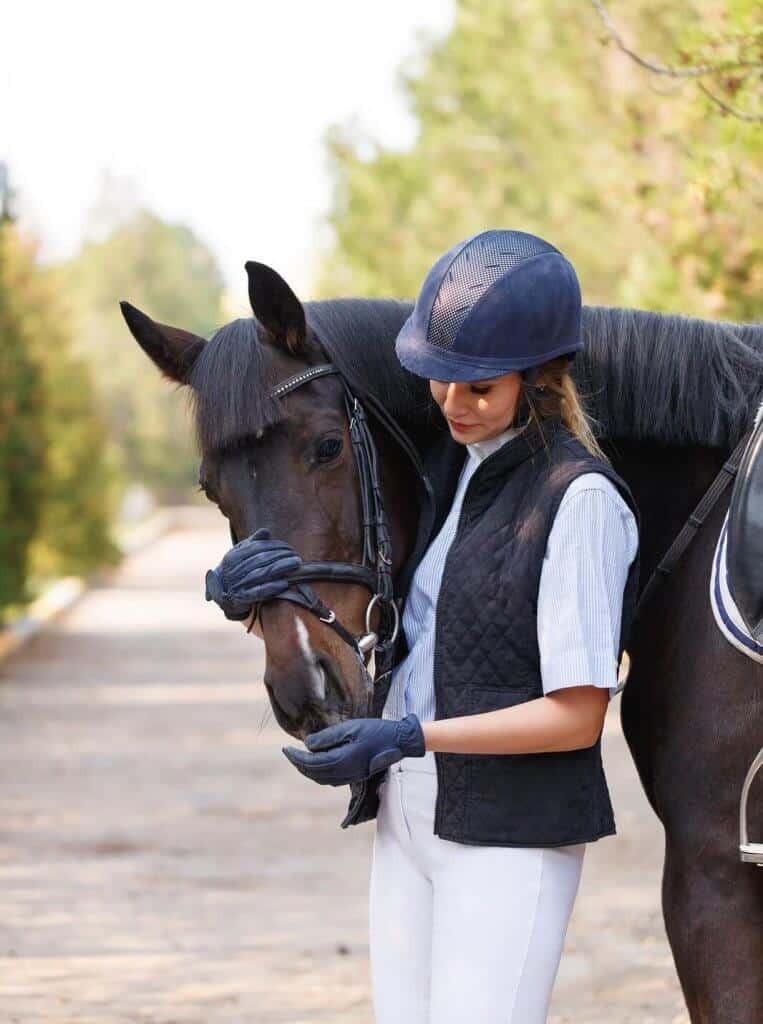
point(512, 654)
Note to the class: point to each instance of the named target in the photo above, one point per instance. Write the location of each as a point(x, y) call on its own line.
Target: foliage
point(56, 477)
point(167, 271)
point(22, 449)
point(528, 117)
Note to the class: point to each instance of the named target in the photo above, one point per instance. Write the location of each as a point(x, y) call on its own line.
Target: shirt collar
point(480, 450)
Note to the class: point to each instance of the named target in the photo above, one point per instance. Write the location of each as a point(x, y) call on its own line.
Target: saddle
point(736, 585)
point(736, 590)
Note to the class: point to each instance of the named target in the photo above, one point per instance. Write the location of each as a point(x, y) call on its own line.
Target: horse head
point(287, 463)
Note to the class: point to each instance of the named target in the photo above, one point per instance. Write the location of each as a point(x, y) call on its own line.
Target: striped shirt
point(592, 542)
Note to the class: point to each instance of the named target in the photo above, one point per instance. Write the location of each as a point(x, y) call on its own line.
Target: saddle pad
point(744, 543)
point(726, 614)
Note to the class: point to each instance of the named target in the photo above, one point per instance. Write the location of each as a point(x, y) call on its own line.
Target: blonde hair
point(555, 394)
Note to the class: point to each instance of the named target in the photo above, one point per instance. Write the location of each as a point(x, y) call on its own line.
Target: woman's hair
point(555, 394)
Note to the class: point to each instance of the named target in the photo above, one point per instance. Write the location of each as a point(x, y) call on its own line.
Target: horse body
point(672, 396)
point(692, 715)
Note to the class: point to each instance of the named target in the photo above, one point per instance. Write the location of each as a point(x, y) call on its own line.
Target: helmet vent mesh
point(478, 266)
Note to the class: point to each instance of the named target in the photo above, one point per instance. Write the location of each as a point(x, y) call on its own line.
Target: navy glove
point(253, 570)
point(357, 748)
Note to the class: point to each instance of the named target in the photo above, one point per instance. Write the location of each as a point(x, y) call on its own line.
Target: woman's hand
point(357, 748)
point(254, 570)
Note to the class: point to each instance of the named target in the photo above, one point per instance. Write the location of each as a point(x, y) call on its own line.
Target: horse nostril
point(333, 690)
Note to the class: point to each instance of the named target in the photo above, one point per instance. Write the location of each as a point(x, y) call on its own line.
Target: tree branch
point(753, 118)
point(698, 71)
point(665, 69)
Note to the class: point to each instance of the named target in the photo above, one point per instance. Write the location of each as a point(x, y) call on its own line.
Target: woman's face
point(478, 409)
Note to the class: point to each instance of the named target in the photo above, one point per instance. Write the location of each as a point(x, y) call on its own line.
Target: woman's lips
point(462, 426)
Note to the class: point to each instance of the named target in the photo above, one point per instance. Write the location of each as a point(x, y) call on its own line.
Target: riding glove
point(357, 748)
point(254, 570)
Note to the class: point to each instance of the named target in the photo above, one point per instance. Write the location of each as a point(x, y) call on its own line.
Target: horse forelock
point(229, 388)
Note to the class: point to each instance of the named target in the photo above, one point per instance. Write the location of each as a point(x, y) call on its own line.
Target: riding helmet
point(498, 301)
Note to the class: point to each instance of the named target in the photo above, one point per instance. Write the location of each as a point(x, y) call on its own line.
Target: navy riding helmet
point(496, 302)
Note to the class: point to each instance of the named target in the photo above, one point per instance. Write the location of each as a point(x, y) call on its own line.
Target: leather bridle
point(375, 571)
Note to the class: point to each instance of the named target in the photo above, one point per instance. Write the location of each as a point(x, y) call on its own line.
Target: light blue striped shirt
point(592, 542)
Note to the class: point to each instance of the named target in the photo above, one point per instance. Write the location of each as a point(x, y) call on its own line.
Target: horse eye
point(329, 448)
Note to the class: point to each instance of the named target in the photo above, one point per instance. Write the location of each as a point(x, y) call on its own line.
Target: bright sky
point(212, 113)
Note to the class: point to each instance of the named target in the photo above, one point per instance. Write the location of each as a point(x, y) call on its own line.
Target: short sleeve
point(591, 545)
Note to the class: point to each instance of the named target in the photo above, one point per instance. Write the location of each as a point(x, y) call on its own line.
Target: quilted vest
point(486, 653)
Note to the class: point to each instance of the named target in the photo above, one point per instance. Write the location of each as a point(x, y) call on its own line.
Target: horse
point(671, 396)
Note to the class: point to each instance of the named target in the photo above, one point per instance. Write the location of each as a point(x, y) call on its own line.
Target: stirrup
point(749, 853)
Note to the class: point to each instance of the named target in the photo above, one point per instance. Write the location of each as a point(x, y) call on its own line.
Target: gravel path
point(160, 860)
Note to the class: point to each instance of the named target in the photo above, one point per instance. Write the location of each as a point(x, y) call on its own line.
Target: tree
point(728, 57)
point(526, 120)
point(22, 448)
point(166, 270)
point(56, 477)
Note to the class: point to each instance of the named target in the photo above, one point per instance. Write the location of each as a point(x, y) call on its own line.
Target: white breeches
point(461, 933)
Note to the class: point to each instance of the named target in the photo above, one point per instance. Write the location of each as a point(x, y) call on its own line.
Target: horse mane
point(642, 376)
point(668, 378)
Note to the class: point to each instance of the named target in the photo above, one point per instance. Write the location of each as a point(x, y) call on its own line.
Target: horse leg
point(694, 723)
point(712, 902)
point(713, 910)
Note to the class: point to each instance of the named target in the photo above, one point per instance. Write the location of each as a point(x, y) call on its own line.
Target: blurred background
point(147, 151)
point(154, 863)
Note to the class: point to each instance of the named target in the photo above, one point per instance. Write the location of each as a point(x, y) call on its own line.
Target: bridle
point(375, 571)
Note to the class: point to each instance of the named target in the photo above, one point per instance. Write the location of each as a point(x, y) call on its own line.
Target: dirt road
point(162, 862)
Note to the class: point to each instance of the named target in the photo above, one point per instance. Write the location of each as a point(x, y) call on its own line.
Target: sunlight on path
point(160, 860)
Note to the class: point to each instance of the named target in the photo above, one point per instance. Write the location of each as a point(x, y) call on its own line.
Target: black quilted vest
point(486, 650)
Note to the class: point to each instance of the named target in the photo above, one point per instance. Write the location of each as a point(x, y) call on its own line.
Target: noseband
point(375, 572)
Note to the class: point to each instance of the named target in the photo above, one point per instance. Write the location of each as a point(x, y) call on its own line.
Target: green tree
point(57, 490)
point(22, 447)
point(528, 118)
point(166, 270)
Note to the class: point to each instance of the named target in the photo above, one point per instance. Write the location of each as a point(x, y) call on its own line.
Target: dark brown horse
point(673, 395)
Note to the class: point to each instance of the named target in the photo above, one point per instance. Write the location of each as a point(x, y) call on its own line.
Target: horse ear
point(276, 307)
point(174, 351)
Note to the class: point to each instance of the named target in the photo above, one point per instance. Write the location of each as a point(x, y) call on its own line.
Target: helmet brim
point(426, 360)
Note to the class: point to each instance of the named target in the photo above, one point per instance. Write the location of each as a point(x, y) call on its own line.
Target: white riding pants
point(461, 933)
